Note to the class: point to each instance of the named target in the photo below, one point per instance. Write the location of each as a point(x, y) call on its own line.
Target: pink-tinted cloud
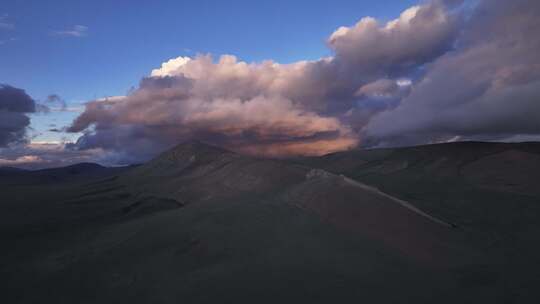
point(267, 108)
point(438, 72)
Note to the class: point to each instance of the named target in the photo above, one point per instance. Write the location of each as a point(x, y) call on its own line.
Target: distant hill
point(10, 170)
point(443, 169)
point(72, 173)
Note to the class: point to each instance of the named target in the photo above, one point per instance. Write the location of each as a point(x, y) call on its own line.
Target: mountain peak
point(185, 155)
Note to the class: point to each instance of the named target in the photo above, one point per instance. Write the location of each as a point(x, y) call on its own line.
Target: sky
point(124, 40)
point(117, 82)
point(121, 41)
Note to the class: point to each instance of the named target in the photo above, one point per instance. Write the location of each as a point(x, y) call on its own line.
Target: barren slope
point(202, 225)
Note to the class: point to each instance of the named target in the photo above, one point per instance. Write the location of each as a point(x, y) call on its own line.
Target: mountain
point(490, 190)
point(195, 171)
point(452, 180)
point(200, 224)
point(68, 174)
point(510, 168)
point(8, 170)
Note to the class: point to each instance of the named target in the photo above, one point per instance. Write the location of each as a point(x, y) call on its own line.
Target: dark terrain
point(450, 223)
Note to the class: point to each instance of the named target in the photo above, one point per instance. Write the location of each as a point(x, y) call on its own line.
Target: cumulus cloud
point(440, 71)
point(15, 104)
point(177, 112)
point(168, 68)
point(303, 108)
point(488, 88)
point(419, 35)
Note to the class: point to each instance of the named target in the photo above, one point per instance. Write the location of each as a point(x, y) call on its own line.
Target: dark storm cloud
point(15, 104)
point(487, 88)
point(15, 100)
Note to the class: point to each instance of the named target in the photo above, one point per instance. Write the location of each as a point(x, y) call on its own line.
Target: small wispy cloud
point(55, 103)
point(76, 31)
point(6, 41)
point(4, 24)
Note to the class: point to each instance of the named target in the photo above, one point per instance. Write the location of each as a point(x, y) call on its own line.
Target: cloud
point(57, 103)
point(21, 161)
point(5, 24)
point(488, 88)
point(178, 113)
point(39, 155)
point(76, 31)
point(379, 88)
point(15, 104)
point(267, 108)
point(169, 67)
point(419, 35)
point(440, 71)
point(6, 41)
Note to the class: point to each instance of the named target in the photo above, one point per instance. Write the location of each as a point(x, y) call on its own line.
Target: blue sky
point(126, 39)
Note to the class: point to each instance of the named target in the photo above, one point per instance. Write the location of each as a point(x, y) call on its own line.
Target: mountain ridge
point(346, 227)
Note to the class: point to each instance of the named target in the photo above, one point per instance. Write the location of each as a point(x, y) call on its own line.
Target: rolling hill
point(199, 224)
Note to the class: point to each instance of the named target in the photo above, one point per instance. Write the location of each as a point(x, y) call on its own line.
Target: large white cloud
point(170, 67)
